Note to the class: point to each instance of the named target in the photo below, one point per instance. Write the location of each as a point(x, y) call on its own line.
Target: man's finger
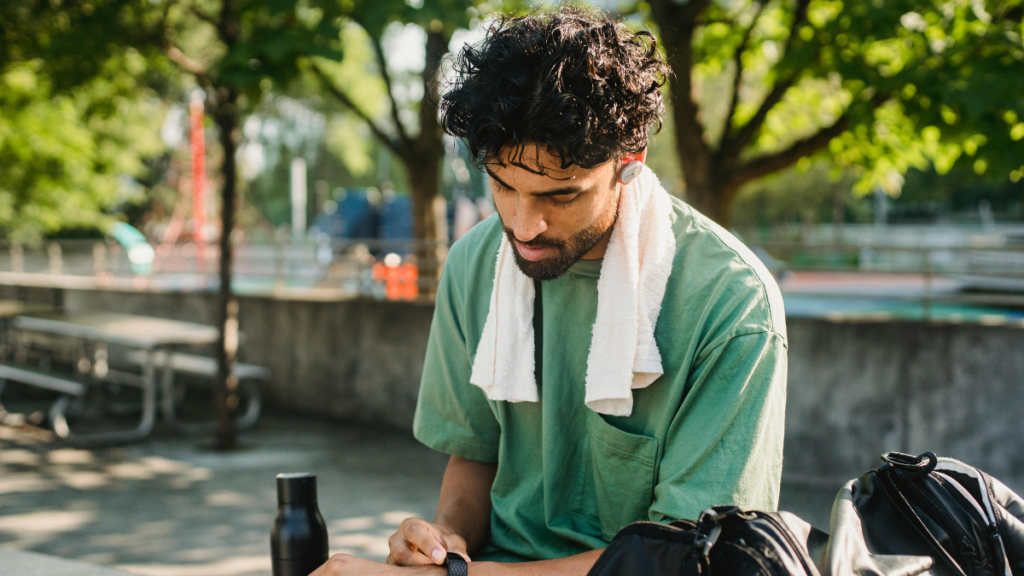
point(455, 543)
point(405, 555)
point(427, 541)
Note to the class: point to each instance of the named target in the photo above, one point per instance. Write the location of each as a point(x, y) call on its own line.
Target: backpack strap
point(906, 467)
point(709, 528)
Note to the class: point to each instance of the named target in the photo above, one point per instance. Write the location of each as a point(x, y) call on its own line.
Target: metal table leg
point(246, 420)
point(148, 385)
point(167, 389)
point(253, 405)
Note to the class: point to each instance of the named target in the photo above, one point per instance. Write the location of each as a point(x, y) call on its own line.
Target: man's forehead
point(533, 163)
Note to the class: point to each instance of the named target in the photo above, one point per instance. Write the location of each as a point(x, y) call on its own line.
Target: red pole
point(198, 140)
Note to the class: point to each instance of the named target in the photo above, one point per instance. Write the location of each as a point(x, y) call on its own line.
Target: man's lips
point(533, 254)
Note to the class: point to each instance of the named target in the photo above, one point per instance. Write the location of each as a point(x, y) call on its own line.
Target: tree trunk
point(713, 200)
point(226, 390)
point(704, 191)
point(423, 156)
point(424, 177)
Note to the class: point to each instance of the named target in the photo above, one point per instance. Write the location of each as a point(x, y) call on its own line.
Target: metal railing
point(318, 270)
point(927, 265)
point(968, 265)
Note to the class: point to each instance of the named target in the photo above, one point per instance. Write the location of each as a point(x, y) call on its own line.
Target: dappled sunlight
point(24, 482)
point(141, 534)
point(23, 531)
point(19, 456)
point(227, 498)
point(171, 507)
point(49, 522)
point(365, 536)
point(79, 469)
point(99, 506)
point(227, 567)
point(70, 456)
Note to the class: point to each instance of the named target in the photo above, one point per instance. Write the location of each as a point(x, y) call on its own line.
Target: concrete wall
point(856, 390)
point(357, 360)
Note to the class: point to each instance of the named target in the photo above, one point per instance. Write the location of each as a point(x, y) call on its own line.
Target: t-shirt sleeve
point(724, 446)
point(452, 415)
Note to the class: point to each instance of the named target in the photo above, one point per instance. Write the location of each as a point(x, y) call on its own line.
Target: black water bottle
point(298, 541)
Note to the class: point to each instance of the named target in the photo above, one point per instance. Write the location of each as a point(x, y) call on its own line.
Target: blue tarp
point(357, 218)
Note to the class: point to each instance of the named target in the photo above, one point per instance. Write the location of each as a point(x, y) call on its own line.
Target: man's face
point(556, 218)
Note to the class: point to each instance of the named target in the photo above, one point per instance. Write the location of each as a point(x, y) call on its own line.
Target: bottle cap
point(296, 488)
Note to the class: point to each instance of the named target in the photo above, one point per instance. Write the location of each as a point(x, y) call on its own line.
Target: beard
point(567, 252)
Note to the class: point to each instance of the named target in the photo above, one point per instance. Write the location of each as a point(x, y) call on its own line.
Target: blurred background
point(156, 372)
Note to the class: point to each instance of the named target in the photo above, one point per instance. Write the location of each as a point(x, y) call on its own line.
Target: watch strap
point(457, 565)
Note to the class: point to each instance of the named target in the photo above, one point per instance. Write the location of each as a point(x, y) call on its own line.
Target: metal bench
point(205, 367)
point(93, 334)
point(72, 390)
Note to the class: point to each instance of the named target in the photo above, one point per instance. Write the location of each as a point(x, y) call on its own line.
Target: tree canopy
point(874, 86)
point(70, 143)
point(234, 50)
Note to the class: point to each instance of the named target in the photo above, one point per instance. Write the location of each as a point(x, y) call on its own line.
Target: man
point(600, 352)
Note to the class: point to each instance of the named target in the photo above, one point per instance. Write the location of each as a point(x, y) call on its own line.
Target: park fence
point(973, 265)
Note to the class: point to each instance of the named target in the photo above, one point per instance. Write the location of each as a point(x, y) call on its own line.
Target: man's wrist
point(457, 565)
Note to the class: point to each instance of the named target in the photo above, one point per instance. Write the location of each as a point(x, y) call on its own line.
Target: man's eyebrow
point(498, 180)
point(563, 191)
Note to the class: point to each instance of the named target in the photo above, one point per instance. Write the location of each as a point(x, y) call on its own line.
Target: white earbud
point(630, 171)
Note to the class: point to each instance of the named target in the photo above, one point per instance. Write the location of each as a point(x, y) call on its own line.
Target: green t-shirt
point(707, 432)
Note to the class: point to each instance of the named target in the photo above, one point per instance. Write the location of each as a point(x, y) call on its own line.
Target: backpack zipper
point(992, 527)
point(960, 536)
point(957, 491)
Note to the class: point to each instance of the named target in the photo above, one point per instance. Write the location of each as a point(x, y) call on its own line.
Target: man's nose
point(529, 221)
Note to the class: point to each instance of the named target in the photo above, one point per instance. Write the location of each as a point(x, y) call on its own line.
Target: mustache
point(537, 242)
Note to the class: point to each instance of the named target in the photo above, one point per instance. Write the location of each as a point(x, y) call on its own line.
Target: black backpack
point(967, 522)
point(726, 540)
point(915, 515)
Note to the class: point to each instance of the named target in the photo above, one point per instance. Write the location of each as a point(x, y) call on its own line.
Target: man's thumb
point(453, 543)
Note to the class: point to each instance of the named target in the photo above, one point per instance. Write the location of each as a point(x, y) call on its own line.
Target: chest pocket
point(617, 483)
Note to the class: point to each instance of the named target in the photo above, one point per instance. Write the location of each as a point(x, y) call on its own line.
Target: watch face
point(457, 565)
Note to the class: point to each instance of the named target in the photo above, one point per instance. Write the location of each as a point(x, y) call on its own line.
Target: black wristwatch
point(457, 565)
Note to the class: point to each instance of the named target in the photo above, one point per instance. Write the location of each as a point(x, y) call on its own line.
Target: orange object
point(198, 143)
point(400, 282)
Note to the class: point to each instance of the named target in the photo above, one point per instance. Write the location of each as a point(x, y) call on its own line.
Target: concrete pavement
point(169, 507)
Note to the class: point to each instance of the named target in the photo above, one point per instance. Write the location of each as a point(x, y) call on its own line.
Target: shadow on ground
point(168, 507)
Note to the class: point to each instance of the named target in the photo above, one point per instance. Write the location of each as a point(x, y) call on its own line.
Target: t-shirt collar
point(587, 267)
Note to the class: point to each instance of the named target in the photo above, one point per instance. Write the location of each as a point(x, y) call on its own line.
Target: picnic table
point(153, 345)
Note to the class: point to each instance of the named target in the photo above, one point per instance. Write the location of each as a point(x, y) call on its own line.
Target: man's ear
point(640, 156)
point(632, 165)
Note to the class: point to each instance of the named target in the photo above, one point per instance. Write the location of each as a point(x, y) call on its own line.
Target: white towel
point(623, 353)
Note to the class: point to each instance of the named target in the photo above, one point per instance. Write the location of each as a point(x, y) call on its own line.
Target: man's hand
point(419, 542)
point(345, 565)
point(462, 522)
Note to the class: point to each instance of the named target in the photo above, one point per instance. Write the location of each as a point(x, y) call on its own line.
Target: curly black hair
point(571, 80)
